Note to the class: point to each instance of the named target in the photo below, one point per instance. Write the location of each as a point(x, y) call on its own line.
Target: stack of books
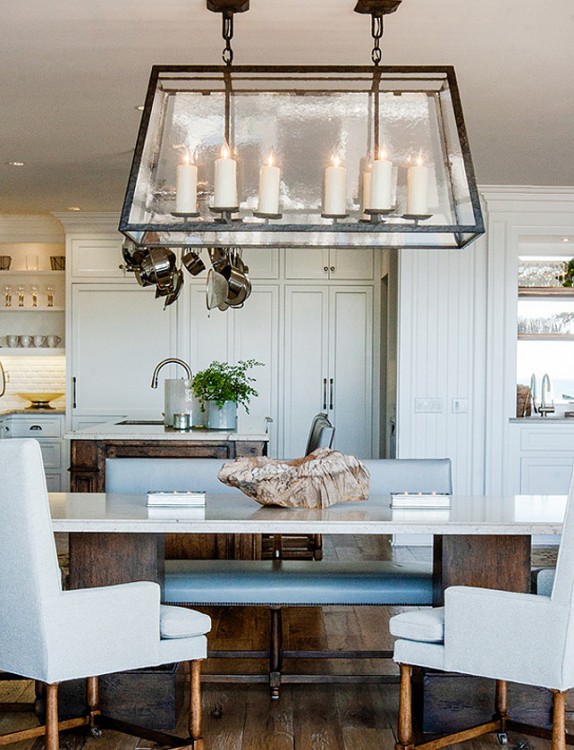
point(179, 498)
point(178, 505)
point(420, 500)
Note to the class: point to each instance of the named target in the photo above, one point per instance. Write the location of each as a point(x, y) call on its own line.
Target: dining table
point(478, 540)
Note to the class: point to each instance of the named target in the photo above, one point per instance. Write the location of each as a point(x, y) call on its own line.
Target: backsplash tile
point(33, 374)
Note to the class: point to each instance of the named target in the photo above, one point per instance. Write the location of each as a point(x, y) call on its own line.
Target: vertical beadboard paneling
point(438, 358)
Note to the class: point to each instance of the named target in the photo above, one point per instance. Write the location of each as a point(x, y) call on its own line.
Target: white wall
point(457, 338)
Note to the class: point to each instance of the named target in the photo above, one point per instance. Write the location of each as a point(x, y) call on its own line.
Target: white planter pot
point(222, 419)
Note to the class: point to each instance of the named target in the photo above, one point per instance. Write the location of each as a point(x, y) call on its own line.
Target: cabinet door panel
point(209, 331)
point(97, 258)
point(256, 336)
point(351, 264)
point(120, 333)
point(350, 368)
point(306, 342)
point(307, 263)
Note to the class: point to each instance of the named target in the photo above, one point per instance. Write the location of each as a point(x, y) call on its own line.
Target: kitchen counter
point(120, 431)
point(550, 419)
point(27, 411)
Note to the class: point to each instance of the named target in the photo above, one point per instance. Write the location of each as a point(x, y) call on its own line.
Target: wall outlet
point(428, 405)
point(460, 406)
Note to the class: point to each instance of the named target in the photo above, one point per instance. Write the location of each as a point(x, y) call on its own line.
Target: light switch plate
point(460, 406)
point(429, 405)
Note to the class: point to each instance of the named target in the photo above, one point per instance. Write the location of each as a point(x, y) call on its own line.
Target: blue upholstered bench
point(280, 583)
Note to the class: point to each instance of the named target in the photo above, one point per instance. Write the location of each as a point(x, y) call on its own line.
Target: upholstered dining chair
point(502, 635)
point(50, 635)
point(321, 434)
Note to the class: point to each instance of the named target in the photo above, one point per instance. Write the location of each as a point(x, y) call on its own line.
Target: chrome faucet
point(169, 361)
point(545, 408)
point(533, 393)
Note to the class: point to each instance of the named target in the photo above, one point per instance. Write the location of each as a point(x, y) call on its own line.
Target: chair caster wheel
point(96, 731)
point(502, 738)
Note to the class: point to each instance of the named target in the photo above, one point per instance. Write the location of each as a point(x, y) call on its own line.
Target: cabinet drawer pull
point(324, 393)
point(35, 427)
point(325, 268)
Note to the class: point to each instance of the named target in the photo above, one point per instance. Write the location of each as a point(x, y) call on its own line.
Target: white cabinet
point(543, 457)
point(329, 365)
point(97, 257)
point(329, 264)
point(119, 332)
point(48, 431)
point(250, 332)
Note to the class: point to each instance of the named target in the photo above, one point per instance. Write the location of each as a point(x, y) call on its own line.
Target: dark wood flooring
point(307, 716)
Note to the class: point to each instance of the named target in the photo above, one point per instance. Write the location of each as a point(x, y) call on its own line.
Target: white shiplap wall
point(457, 338)
point(441, 357)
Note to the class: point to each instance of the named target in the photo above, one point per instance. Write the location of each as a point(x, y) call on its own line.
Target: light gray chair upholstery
point(502, 635)
point(140, 475)
point(51, 635)
point(321, 434)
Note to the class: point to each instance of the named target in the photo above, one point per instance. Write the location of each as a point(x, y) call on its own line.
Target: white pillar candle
point(186, 188)
point(381, 193)
point(225, 194)
point(269, 181)
point(417, 189)
point(335, 198)
point(366, 196)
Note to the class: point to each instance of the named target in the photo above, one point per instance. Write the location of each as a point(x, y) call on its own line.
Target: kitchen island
point(133, 438)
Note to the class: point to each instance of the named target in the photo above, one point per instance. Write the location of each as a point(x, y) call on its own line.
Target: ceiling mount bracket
point(377, 7)
point(228, 6)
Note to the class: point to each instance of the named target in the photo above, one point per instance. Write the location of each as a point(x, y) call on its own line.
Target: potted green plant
point(220, 388)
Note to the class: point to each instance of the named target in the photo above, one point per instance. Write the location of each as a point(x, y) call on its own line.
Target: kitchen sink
point(141, 421)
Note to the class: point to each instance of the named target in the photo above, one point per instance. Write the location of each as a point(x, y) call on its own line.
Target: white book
point(176, 512)
point(178, 497)
point(420, 514)
point(420, 500)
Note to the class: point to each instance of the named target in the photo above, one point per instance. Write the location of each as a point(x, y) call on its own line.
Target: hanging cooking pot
point(163, 262)
point(237, 280)
point(133, 255)
point(145, 275)
point(177, 287)
point(192, 262)
point(219, 257)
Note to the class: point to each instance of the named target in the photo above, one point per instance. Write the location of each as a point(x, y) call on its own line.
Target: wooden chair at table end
point(505, 636)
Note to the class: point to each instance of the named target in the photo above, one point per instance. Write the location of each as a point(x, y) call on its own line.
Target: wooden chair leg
point(195, 715)
point(275, 651)
point(558, 721)
point(52, 734)
point(405, 725)
point(93, 701)
point(501, 705)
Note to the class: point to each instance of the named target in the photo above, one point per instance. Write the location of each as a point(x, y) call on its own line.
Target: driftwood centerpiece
point(321, 479)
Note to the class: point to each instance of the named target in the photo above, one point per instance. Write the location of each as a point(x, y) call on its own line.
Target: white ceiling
point(73, 71)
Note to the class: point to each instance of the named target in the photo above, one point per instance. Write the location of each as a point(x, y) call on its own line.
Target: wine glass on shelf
point(21, 290)
point(7, 296)
point(50, 295)
point(34, 290)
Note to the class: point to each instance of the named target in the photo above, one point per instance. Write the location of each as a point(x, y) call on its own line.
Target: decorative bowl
point(40, 400)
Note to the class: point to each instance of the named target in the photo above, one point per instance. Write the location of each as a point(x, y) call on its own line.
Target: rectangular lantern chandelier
point(299, 156)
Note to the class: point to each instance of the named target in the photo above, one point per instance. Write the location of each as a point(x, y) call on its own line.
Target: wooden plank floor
point(307, 716)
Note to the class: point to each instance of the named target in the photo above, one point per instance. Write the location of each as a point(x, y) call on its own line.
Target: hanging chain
point(227, 33)
point(376, 33)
